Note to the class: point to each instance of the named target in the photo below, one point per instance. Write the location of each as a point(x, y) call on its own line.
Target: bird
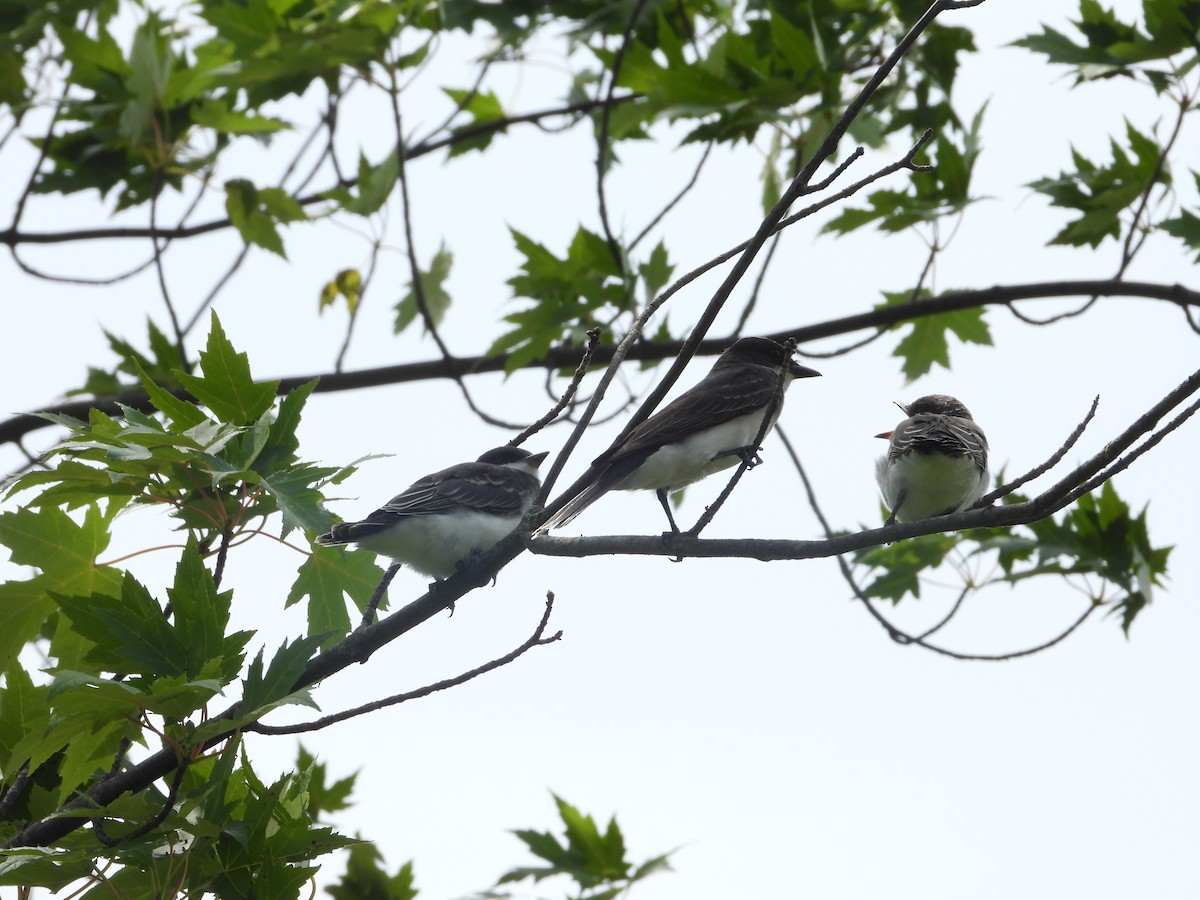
point(936, 462)
point(710, 427)
point(444, 519)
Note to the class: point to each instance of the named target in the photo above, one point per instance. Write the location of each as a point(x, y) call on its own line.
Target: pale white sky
point(749, 714)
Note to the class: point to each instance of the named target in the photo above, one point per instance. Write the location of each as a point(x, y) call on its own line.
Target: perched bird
point(449, 516)
point(708, 428)
point(936, 461)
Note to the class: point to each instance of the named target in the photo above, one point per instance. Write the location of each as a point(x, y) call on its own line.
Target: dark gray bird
point(936, 461)
point(708, 428)
point(451, 515)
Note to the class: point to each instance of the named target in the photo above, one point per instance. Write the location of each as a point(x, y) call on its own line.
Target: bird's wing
point(717, 399)
point(953, 435)
point(480, 487)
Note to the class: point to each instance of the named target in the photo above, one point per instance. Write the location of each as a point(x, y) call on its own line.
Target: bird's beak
point(536, 459)
point(799, 371)
point(887, 435)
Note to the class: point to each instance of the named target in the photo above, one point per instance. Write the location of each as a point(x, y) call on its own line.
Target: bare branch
point(534, 640)
point(895, 633)
point(565, 356)
point(368, 618)
point(160, 271)
point(1048, 502)
point(418, 286)
point(12, 237)
point(674, 201)
point(614, 246)
point(150, 824)
point(1037, 471)
point(563, 401)
point(15, 789)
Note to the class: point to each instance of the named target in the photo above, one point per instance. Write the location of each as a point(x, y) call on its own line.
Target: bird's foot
point(748, 455)
point(668, 538)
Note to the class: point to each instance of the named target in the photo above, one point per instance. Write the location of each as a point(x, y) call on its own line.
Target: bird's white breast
point(433, 545)
point(677, 465)
point(933, 483)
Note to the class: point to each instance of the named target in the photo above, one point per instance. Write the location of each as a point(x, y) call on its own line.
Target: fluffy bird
point(447, 517)
point(708, 428)
point(936, 462)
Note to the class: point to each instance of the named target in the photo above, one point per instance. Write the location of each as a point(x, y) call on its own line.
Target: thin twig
point(674, 201)
point(418, 286)
point(893, 632)
point(368, 618)
point(758, 283)
point(593, 336)
point(11, 237)
point(614, 248)
point(1050, 501)
point(534, 640)
point(150, 824)
point(1125, 461)
point(15, 790)
point(1036, 471)
point(362, 292)
point(160, 271)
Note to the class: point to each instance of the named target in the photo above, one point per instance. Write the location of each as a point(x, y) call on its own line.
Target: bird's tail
point(341, 533)
point(574, 506)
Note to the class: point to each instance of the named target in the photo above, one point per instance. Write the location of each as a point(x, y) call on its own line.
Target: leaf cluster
point(1098, 544)
point(135, 668)
point(595, 860)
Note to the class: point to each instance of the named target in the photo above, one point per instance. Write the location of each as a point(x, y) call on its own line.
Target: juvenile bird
point(708, 428)
point(936, 462)
point(447, 517)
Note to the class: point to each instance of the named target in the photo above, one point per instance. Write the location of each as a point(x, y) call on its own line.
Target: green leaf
point(279, 451)
point(433, 288)
point(24, 711)
point(375, 184)
point(50, 540)
point(1186, 227)
point(902, 563)
point(255, 213)
point(366, 878)
point(926, 342)
point(1100, 193)
point(323, 797)
point(326, 578)
point(185, 415)
point(295, 495)
point(265, 691)
point(201, 615)
point(216, 114)
point(24, 608)
point(1098, 536)
point(130, 633)
point(594, 860)
point(571, 294)
point(227, 387)
point(483, 107)
point(44, 866)
point(656, 271)
point(1111, 46)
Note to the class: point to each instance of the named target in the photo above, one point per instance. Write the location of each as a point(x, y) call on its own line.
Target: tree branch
point(566, 356)
point(1050, 501)
point(13, 237)
point(534, 640)
point(359, 645)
